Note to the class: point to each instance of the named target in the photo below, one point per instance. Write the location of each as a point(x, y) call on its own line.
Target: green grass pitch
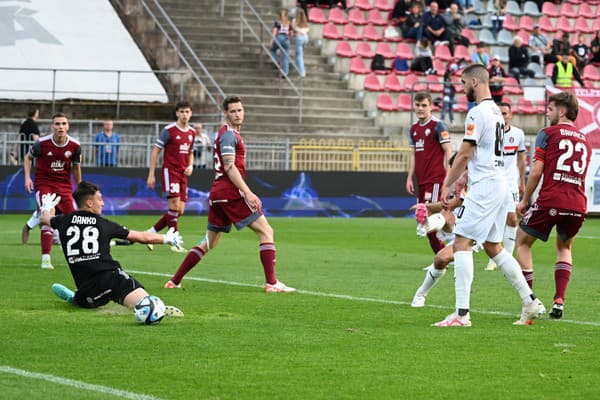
point(349, 333)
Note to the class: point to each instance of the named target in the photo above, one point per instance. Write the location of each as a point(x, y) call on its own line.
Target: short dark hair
point(505, 104)
point(230, 100)
point(59, 115)
point(423, 96)
point(183, 104)
point(477, 71)
point(568, 101)
point(83, 191)
point(32, 112)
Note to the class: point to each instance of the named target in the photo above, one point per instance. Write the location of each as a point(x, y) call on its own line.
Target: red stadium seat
point(564, 24)
point(404, 102)
point(511, 86)
point(461, 51)
point(434, 84)
point(469, 34)
point(510, 24)
point(363, 5)
point(392, 83)
point(549, 68)
point(443, 53)
point(591, 73)
point(385, 50)
point(581, 25)
point(586, 11)
point(370, 33)
point(330, 31)
point(404, 51)
point(316, 15)
point(374, 17)
point(596, 26)
point(523, 34)
point(343, 49)
point(385, 103)
point(337, 16)
point(409, 82)
point(546, 25)
point(526, 107)
point(462, 105)
point(364, 50)
point(567, 10)
point(526, 22)
point(350, 32)
point(372, 83)
point(357, 66)
point(439, 66)
point(356, 17)
point(383, 5)
point(540, 107)
point(550, 10)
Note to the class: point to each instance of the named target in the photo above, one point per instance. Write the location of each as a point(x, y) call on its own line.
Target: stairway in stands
point(329, 106)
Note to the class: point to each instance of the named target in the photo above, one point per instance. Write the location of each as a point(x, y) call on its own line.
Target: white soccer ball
point(149, 310)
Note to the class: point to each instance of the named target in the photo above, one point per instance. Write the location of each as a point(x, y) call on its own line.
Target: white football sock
point(508, 241)
point(151, 230)
point(512, 271)
point(34, 220)
point(431, 278)
point(463, 272)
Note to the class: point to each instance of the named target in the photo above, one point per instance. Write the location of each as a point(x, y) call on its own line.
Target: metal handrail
point(264, 26)
point(181, 38)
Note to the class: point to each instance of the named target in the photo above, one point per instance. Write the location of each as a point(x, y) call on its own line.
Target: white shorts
point(483, 213)
point(512, 199)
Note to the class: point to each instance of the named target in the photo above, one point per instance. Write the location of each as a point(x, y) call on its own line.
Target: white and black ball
point(150, 310)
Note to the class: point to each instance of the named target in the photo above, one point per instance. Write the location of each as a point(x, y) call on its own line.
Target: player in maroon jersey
point(562, 156)
point(177, 140)
point(430, 141)
point(231, 202)
point(58, 155)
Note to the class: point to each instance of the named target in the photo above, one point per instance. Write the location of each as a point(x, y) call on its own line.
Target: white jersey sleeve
point(514, 143)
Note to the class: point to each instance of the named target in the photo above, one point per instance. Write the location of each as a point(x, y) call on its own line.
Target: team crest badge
point(552, 212)
point(68, 154)
point(427, 132)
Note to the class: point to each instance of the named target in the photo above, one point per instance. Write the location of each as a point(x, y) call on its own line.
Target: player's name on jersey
point(568, 132)
point(79, 219)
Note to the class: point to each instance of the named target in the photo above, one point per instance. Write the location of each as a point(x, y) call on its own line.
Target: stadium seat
point(372, 83)
point(461, 51)
point(546, 25)
point(364, 50)
point(404, 51)
point(350, 32)
point(356, 17)
point(385, 50)
point(457, 84)
point(505, 37)
point(549, 68)
point(564, 24)
point(337, 16)
point(392, 83)
point(591, 73)
point(385, 103)
point(364, 5)
point(479, 8)
point(439, 66)
point(383, 5)
point(486, 22)
point(550, 10)
point(526, 22)
point(487, 37)
point(596, 26)
point(330, 31)
point(443, 53)
point(511, 86)
point(469, 34)
point(510, 24)
point(537, 69)
point(409, 82)
point(357, 66)
point(374, 17)
point(512, 8)
point(343, 49)
point(316, 16)
point(370, 33)
point(581, 25)
point(526, 107)
point(434, 84)
point(524, 35)
point(586, 11)
point(462, 105)
point(567, 10)
point(531, 8)
point(404, 102)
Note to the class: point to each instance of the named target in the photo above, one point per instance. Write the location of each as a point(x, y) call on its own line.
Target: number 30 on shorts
point(174, 188)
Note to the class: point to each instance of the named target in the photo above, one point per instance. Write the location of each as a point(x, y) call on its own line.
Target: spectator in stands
point(595, 56)
point(400, 12)
point(28, 132)
point(466, 6)
point(282, 30)
point(455, 25)
point(107, 146)
point(413, 26)
point(435, 25)
point(300, 26)
point(481, 56)
point(564, 72)
point(423, 61)
point(581, 51)
point(497, 77)
point(518, 58)
point(202, 147)
point(499, 15)
point(539, 46)
point(560, 45)
point(449, 97)
point(304, 4)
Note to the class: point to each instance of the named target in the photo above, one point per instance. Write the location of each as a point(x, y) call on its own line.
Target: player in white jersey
point(483, 211)
point(514, 166)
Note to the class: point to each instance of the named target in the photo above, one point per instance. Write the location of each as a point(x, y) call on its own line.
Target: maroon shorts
point(66, 204)
point(225, 211)
point(174, 184)
point(538, 222)
point(429, 192)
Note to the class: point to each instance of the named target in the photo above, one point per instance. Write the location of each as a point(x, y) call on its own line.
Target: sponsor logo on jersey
point(420, 145)
point(184, 148)
point(445, 135)
point(470, 129)
point(58, 165)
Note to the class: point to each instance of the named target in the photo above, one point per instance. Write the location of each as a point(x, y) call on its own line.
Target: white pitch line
point(347, 297)
point(76, 384)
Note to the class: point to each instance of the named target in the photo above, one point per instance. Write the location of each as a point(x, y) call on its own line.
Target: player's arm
point(190, 168)
point(172, 237)
point(76, 166)
point(410, 188)
point(27, 163)
point(535, 174)
point(151, 180)
point(521, 166)
point(447, 149)
point(465, 152)
point(236, 178)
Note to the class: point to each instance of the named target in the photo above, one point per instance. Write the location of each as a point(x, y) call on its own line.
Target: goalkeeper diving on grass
point(85, 239)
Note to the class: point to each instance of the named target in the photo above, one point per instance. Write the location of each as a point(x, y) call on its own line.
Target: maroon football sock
point(529, 278)
point(562, 275)
point(46, 238)
point(193, 257)
point(267, 258)
point(172, 219)
point(435, 243)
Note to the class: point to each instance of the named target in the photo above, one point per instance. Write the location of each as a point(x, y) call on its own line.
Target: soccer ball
point(149, 310)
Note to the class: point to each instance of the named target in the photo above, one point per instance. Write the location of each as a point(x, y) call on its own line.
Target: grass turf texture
point(237, 342)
